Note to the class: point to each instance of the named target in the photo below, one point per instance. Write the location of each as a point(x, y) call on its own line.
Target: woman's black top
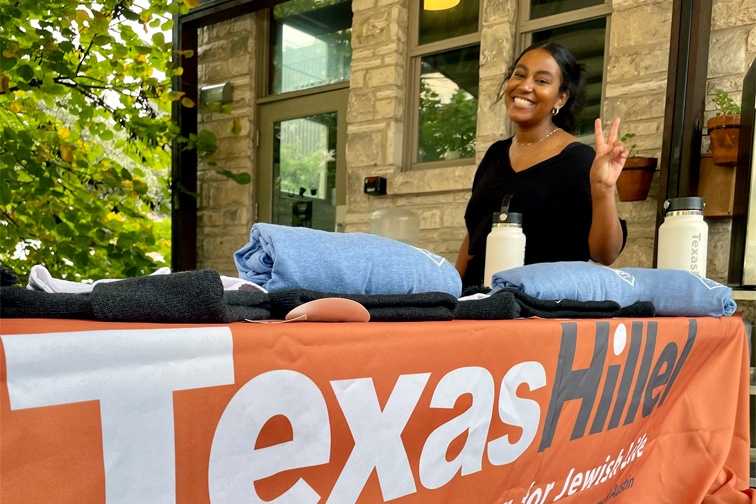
point(553, 196)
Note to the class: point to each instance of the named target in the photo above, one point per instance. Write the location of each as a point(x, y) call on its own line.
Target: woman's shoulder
point(500, 145)
point(578, 149)
point(497, 152)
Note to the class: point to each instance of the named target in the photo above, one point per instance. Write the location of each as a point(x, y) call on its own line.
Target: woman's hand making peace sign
point(610, 156)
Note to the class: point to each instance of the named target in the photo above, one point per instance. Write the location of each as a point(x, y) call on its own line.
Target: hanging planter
point(635, 179)
point(724, 135)
point(724, 130)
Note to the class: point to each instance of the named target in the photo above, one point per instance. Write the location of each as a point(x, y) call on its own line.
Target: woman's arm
point(605, 237)
point(463, 256)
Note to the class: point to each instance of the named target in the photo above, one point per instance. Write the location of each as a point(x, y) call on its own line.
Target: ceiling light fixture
point(436, 5)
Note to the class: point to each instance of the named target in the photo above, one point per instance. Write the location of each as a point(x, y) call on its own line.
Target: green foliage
point(633, 147)
point(447, 128)
point(725, 104)
point(86, 135)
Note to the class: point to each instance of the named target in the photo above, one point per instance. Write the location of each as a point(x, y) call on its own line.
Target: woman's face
point(533, 89)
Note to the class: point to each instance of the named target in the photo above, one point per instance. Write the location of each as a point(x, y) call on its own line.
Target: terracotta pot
point(724, 133)
point(635, 180)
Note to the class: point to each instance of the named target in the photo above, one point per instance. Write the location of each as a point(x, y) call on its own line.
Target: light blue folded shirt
point(282, 257)
point(673, 293)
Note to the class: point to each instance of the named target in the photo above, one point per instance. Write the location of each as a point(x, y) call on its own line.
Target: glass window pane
point(444, 24)
point(448, 105)
point(543, 8)
point(310, 44)
point(304, 172)
point(586, 42)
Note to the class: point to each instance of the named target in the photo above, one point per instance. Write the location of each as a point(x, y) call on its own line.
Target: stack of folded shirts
point(672, 292)
point(282, 257)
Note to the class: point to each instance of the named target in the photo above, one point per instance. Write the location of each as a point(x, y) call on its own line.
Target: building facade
point(381, 111)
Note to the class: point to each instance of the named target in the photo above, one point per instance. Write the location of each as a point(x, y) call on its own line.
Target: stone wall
point(225, 208)
point(636, 80)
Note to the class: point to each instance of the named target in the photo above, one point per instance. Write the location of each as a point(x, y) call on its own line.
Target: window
point(311, 44)
point(443, 89)
point(581, 26)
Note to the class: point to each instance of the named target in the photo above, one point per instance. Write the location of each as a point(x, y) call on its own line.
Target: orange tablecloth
point(523, 411)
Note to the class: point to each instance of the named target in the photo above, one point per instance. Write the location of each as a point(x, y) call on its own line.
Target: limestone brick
point(655, 62)
point(388, 3)
point(364, 53)
point(642, 24)
point(384, 76)
point(365, 149)
point(240, 46)
point(366, 127)
point(361, 106)
point(214, 50)
point(367, 63)
point(372, 30)
point(357, 79)
point(235, 146)
point(495, 53)
point(225, 194)
point(220, 126)
point(656, 84)
point(730, 13)
point(362, 5)
point(223, 246)
point(632, 108)
point(718, 258)
point(395, 140)
point(453, 216)
point(430, 218)
point(216, 71)
point(497, 11)
point(748, 311)
point(727, 51)
point(242, 24)
point(434, 180)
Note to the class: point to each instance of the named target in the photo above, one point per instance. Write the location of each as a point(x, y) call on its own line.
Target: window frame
point(415, 54)
point(262, 63)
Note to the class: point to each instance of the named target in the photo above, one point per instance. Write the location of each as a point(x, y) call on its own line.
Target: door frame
point(270, 112)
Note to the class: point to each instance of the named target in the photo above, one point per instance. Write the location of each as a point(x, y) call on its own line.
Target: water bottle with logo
point(683, 236)
point(505, 246)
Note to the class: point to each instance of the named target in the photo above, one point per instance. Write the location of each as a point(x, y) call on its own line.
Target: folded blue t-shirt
point(672, 292)
point(282, 257)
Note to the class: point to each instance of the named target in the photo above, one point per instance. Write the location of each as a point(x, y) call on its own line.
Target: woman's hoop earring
point(555, 111)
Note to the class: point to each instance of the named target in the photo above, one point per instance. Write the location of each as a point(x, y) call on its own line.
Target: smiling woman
point(563, 189)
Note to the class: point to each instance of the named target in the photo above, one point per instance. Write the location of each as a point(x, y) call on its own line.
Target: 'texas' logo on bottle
point(695, 244)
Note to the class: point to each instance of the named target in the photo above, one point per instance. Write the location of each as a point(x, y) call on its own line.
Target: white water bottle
point(683, 236)
point(505, 245)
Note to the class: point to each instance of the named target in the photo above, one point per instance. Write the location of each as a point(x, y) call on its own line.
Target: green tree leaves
point(447, 127)
point(85, 136)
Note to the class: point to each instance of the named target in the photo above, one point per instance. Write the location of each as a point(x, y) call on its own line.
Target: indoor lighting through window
point(439, 4)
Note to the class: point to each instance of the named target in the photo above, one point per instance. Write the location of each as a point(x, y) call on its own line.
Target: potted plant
point(635, 180)
point(724, 130)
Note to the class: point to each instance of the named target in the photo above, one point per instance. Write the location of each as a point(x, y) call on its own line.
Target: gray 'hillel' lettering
point(654, 379)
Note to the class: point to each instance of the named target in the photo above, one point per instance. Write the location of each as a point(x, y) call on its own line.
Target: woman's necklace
point(537, 141)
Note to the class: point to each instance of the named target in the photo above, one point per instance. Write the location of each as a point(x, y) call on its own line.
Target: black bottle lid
point(686, 203)
point(507, 218)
